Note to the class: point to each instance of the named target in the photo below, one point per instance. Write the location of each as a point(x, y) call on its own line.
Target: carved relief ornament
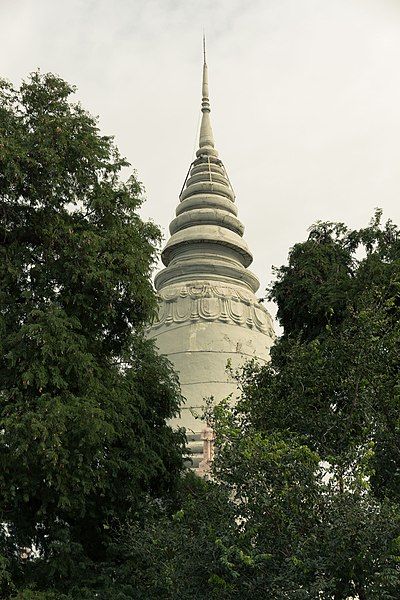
point(211, 302)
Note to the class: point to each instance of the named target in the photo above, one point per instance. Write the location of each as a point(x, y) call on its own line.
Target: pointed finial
point(205, 105)
point(206, 134)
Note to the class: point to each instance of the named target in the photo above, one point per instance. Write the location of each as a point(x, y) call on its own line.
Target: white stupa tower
point(208, 311)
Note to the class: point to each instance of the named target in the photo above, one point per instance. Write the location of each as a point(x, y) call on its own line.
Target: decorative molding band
point(207, 301)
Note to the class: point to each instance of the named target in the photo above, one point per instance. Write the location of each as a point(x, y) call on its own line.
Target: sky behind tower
point(305, 99)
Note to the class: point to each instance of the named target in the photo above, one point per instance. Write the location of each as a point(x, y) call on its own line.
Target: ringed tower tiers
point(208, 314)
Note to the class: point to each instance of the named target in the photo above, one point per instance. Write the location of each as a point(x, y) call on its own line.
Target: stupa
point(209, 316)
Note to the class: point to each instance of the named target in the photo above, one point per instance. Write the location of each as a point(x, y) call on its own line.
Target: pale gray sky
point(305, 98)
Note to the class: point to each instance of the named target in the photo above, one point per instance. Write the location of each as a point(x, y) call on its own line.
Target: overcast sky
point(305, 98)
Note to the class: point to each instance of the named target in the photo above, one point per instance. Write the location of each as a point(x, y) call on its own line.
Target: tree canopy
point(311, 452)
point(84, 399)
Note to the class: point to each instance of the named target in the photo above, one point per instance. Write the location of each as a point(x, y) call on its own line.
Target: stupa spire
point(206, 240)
point(208, 312)
point(206, 134)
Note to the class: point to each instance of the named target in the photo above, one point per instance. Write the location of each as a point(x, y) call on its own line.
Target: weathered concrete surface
point(202, 325)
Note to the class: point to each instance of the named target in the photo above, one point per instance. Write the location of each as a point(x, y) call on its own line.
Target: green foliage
point(310, 453)
point(179, 555)
point(312, 290)
point(84, 398)
point(158, 552)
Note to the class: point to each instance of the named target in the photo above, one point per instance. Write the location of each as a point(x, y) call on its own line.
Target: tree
point(310, 454)
point(84, 398)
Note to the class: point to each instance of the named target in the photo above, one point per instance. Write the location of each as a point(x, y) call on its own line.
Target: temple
point(209, 316)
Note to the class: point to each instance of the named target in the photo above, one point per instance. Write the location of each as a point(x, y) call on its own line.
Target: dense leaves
point(83, 397)
point(310, 453)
